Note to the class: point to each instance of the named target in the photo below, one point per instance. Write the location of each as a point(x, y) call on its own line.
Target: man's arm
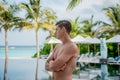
point(51, 58)
point(47, 63)
point(65, 56)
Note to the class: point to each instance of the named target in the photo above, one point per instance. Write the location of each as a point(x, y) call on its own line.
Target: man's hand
point(61, 69)
point(47, 65)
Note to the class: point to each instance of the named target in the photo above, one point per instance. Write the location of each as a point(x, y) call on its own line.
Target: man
point(64, 57)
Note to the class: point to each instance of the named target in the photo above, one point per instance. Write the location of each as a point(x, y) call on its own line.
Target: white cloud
point(84, 10)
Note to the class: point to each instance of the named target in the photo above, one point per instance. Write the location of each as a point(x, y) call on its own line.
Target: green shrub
point(43, 51)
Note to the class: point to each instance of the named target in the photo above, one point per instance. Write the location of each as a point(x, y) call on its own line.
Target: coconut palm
point(87, 26)
point(51, 19)
point(7, 21)
point(87, 29)
point(76, 29)
point(113, 13)
point(36, 16)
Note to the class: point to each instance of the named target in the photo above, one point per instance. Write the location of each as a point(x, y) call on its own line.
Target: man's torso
point(65, 74)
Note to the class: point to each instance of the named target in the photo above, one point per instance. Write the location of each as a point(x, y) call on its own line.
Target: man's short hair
point(66, 24)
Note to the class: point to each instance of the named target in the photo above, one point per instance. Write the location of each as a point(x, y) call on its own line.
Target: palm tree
point(87, 26)
point(76, 29)
point(73, 3)
point(51, 19)
point(113, 13)
point(36, 16)
point(7, 21)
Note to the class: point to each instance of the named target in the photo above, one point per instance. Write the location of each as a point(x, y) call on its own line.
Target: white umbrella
point(88, 41)
point(115, 39)
point(91, 40)
point(52, 41)
point(78, 39)
point(95, 40)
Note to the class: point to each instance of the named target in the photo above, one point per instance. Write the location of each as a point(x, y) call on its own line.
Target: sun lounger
point(115, 61)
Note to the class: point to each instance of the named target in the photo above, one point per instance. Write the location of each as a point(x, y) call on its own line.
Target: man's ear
point(64, 29)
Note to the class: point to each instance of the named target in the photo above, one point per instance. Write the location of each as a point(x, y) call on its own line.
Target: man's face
point(58, 32)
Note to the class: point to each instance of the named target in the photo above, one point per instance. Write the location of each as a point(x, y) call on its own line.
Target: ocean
point(18, 51)
point(22, 68)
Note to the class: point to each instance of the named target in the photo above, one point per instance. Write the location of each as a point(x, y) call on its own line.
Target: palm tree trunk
point(37, 49)
point(6, 55)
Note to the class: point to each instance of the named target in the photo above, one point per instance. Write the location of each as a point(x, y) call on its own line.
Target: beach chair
point(95, 58)
point(115, 60)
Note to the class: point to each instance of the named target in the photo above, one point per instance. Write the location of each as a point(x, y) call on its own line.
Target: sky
point(84, 11)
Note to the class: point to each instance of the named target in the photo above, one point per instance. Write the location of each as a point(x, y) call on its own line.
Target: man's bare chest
point(58, 52)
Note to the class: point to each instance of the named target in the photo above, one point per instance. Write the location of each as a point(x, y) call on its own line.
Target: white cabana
point(52, 41)
point(115, 39)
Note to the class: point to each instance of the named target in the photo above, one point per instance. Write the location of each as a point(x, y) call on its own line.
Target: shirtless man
point(63, 60)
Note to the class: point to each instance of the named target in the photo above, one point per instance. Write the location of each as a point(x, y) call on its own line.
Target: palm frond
point(28, 9)
point(35, 5)
point(47, 26)
point(73, 3)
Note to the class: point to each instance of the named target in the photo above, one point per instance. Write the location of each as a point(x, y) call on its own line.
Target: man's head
point(63, 27)
point(66, 24)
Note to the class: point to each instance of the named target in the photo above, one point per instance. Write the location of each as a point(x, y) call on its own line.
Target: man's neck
point(66, 39)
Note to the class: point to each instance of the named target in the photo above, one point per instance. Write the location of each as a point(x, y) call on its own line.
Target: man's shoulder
point(72, 47)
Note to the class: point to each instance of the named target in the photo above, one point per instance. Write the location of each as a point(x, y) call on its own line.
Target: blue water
point(18, 51)
point(23, 69)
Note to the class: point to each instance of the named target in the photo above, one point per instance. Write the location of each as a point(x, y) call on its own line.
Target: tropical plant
point(113, 14)
point(37, 17)
point(73, 3)
point(44, 51)
point(7, 21)
point(87, 26)
point(51, 18)
point(113, 28)
point(76, 29)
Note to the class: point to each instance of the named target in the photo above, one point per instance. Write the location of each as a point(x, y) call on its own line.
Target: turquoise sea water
point(21, 69)
point(18, 51)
